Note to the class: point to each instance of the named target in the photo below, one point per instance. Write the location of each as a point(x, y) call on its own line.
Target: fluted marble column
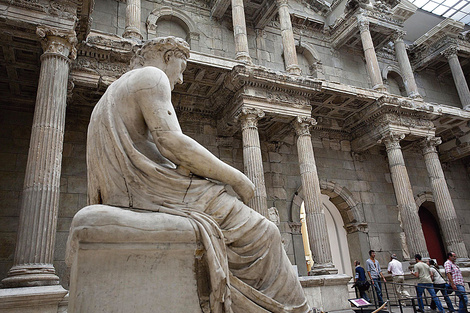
point(133, 12)
point(288, 42)
point(404, 194)
point(445, 208)
point(314, 213)
point(405, 66)
point(239, 32)
point(372, 64)
point(252, 159)
point(458, 75)
point(39, 204)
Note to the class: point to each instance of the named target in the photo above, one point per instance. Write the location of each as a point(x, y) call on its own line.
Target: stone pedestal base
point(125, 261)
point(327, 292)
point(41, 299)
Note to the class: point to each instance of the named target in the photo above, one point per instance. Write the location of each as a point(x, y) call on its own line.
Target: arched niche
point(309, 61)
point(393, 78)
point(352, 217)
point(167, 21)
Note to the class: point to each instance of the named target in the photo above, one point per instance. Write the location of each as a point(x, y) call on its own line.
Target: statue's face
point(174, 70)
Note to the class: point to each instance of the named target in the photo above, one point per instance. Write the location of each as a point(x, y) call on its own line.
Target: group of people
point(428, 275)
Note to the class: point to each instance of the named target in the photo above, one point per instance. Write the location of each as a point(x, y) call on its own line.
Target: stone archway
point(351, 214)
point(180, 18)
point(314, 66)
point(392, 74)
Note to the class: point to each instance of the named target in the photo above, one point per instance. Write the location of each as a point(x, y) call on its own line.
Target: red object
point(432, 235)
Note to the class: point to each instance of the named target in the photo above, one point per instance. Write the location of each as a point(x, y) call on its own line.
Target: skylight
point(458, 10)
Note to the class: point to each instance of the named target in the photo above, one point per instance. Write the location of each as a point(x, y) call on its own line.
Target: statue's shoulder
point(148, 77)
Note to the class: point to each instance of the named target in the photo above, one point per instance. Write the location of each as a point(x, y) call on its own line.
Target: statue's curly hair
point(169, 46)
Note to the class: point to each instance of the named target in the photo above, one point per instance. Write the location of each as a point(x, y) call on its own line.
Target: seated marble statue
point(138, 158)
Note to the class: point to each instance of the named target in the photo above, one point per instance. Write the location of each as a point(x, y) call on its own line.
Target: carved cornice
point(302, 125)
point(356, 227)
point(57, 42)
point(429, 144)
point(249, 117)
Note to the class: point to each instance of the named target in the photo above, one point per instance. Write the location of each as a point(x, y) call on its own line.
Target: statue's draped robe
point(249, 271)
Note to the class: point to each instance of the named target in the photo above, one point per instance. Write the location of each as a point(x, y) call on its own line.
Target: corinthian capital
point(398, 34)
point(302, 125)
point(57, 41)
point(429, 144)
point(450, 51)
point(362, 24)
point(392, 140)
point(249, 117)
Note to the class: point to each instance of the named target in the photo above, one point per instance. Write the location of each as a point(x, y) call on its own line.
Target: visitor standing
point(398, 276)
point(374, 272)
point(456, 280)
point(360, 280)
point(423, 273)
point(439, 284)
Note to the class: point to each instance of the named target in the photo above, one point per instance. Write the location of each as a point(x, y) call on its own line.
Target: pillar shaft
point(252, 159)
point(372, 64)
point(288, 42)
point(445, 208)
point(314, 213)
point(239, 32)
point(458, 75)
point(405, 66)
point(411, 223)
point(39, 204)
point(133, 12)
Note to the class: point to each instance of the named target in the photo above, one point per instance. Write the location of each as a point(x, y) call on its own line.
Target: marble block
point(127, 261)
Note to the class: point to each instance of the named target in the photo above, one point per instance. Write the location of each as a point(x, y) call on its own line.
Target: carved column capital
point(58, 42)
point(362, 24)
point(429, 144)
point(249, 117)
point(302, 125)
point(450, 52)
point(398, 35)
point(392, 140)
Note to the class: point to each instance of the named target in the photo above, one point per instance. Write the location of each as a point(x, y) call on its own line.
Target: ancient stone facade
point(389, 142)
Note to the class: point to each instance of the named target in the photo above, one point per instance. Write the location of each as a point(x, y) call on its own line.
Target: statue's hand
point(244, 188)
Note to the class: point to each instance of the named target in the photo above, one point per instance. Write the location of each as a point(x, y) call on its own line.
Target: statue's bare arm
point(153, 95)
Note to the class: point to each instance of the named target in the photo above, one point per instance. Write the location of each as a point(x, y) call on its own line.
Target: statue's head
point(166, 53)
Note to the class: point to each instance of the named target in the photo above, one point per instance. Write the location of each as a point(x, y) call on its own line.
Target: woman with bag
point(439, 285)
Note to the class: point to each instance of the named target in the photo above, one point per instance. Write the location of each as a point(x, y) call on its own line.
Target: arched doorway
point(432, 233)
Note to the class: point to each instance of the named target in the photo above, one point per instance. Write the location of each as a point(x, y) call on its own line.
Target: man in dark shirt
point(360, 280)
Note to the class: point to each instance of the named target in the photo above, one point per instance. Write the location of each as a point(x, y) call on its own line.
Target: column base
point(132, 33)
point(243, 57)
point(466, 107)
point(416, 96)
point(294, 69)
point(30, 275)
point(43, 299)
point(380, 87)
point(323, 269)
